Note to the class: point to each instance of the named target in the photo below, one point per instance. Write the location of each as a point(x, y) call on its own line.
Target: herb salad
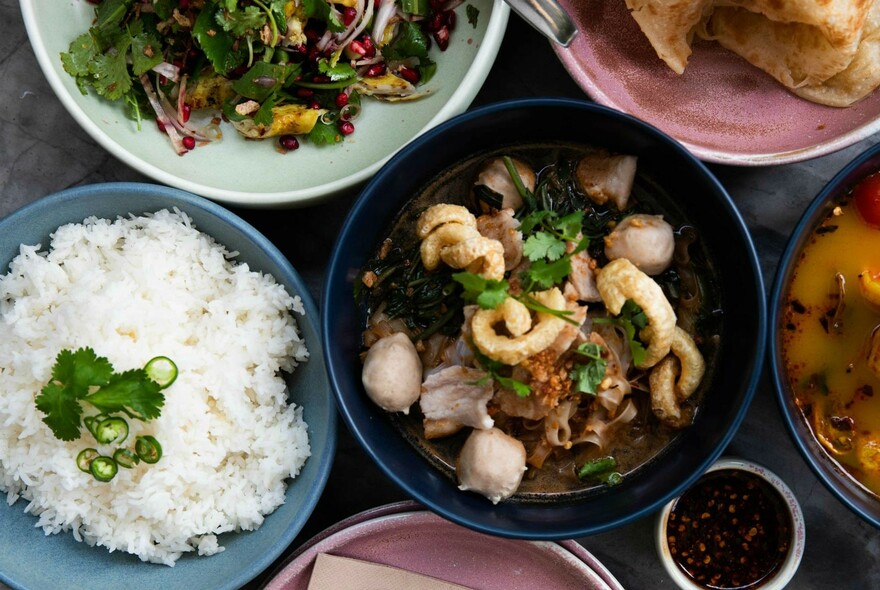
point(286, 69)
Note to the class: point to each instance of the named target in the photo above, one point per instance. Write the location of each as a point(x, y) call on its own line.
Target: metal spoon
point(548, 17)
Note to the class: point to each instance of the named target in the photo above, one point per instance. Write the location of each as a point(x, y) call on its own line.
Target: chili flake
point(742, 531)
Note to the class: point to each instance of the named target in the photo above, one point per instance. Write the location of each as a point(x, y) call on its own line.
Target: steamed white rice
point(134, 289)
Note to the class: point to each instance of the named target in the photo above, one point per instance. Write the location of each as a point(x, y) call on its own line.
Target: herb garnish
point(489, 294)
point(492, 367)
point(631, 317)
point(82, 377)
point(587, 376)
point(473, 13)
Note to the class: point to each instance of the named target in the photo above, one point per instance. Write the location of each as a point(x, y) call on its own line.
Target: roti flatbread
point(827, 51)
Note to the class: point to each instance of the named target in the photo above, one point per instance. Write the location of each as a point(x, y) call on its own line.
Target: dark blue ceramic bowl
point(30, 560)
point(832, 475)
point(706, 205)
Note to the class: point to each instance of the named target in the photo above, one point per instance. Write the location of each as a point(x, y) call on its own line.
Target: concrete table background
point(42, 150)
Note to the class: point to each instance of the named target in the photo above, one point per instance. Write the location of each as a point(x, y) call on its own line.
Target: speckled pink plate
point(405, 536)
point(722, 108)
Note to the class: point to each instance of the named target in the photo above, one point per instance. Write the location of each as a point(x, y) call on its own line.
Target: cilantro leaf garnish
point(339, 71)
point(492, 368)
point(242, 21)
point(543, 245)
point(324, 134)
point(473, 14)
point(543, 275)
point(321, 9)
point(82, 376)
point(631, 317)
point(587, 376)
point(486, 293)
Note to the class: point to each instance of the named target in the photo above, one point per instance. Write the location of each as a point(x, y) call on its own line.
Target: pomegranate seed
point(305, 92)
point(312, 35)
point(346, 127)
point(289, 142)
point(189, 142)
point(341, 100)
point(348, 15)
point(186, 111)
point(93, 1)
point(375, 70)
point(357, 49)
point(184, 5)
point(320, 79)
point(367, 42)
point(450, 19)
point(163, 80)
point(442, 38)
point(160, 125)
point(435, 22)
point(313, 54)
point(314, 105)
point(409, 74)
point(436, 4)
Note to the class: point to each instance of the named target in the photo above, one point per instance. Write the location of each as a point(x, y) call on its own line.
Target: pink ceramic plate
point(402, 535)
point(722, 108)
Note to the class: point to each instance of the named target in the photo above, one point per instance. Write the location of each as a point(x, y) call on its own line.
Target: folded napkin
point(343, 573)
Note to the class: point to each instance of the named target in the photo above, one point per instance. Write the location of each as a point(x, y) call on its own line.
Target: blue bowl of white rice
point(248, 428)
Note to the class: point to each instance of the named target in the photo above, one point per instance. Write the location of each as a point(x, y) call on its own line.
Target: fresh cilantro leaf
point(570, 226)
point(80, 54)
point(265, 116)
point(534, 219)
point(324, 134)
point(109, 13)
point(321, 10)
point(81, 376)
point(110, 70)
point(217, 44)
point(131, 392)
point(543, 274)
point(487, 293)
point(631, 317)
point(340, 71)
point(62, 410)
point(473, 14)
point(427, 69)
point(588, 376)
point(543, 245)
point(240, 22)
point(492, 367)
point(634, 314)
point(410, 41)
point(146, 52)
point(519, 388)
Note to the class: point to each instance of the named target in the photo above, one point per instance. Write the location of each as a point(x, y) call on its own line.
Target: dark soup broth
point(582, 407)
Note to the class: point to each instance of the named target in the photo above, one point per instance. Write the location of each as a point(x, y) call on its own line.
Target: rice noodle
point(557, 430)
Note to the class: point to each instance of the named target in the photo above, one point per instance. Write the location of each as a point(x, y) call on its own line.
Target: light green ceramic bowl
point(253, 173)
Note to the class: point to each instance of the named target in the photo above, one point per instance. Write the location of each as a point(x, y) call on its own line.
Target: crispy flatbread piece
point(670, 25)
point(797, 47)
point(859, 78)
point(827, 51)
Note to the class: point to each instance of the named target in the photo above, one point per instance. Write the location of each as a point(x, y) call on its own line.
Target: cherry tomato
point(867, 199)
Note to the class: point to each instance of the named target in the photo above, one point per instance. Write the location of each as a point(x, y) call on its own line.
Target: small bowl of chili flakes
point(738, 527)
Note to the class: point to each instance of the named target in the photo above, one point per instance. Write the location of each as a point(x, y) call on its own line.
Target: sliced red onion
point(173, 115)
point(452, 5)
point(362, 24)
point(386, 10)
point(181, 95)
point(324, 41)
point(170, 71)
point(167, 123)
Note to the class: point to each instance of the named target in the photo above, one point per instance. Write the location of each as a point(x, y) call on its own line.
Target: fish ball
point(491, 463)
point(645, 240)
point(392, 373)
